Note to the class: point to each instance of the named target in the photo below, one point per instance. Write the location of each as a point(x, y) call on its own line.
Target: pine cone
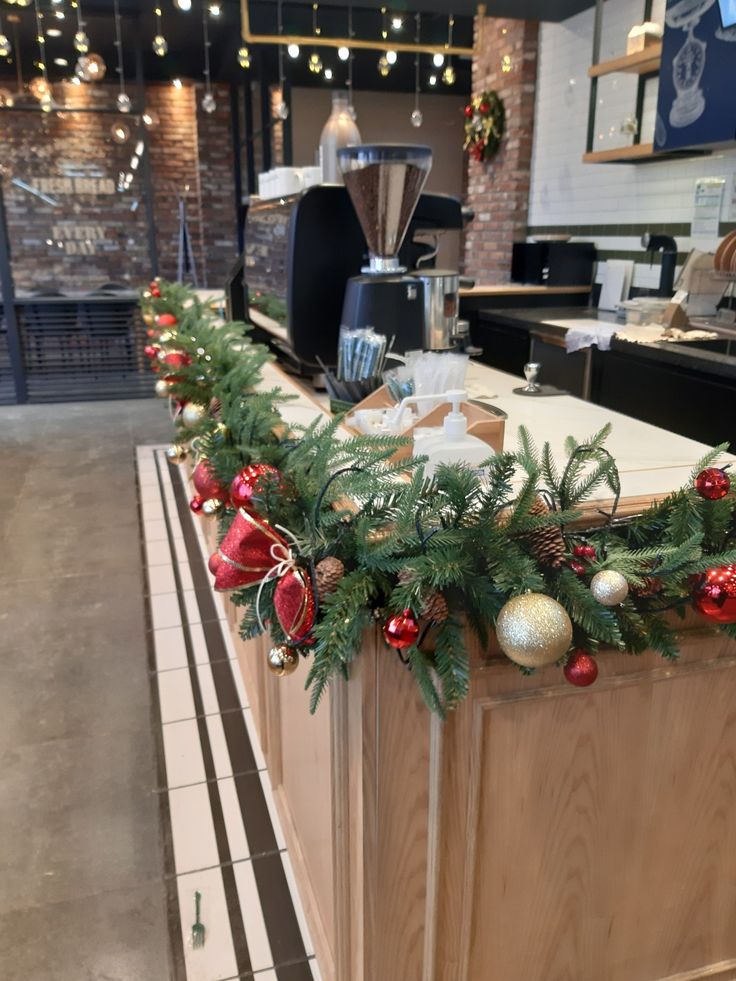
point(405, 576)
point(547, 543)
point(651, 586)
point(328, 573)
point(435, 608)
point(215, 407)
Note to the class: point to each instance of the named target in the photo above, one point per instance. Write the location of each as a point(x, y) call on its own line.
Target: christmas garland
point(426, 559)
point(485, 122)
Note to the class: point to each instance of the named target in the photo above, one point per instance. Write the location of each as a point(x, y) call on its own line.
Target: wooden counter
point(543, 833)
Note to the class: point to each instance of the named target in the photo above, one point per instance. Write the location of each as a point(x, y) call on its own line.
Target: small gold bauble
point(282, 660)
point(192, 414)
point(161, 388)
point(166, 337)
point(533, 630)
point(211, 507)
point(149, 318)
point(609, 587)
point(176, 453)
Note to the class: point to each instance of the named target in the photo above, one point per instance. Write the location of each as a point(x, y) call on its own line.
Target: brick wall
point(498, 191)
point(88, 234)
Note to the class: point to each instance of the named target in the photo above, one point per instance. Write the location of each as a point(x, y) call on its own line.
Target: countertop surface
point(651, 461)
point(684, 355)
point(521, 289)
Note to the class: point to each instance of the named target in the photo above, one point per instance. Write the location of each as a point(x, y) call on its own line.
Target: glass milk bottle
point(339, 130)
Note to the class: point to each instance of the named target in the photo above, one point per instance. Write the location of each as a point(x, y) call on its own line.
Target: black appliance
point(553, 263)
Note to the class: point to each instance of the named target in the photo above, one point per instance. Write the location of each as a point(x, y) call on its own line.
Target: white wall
point(565, 191)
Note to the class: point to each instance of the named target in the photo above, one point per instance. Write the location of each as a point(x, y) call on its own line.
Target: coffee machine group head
point(384, 183)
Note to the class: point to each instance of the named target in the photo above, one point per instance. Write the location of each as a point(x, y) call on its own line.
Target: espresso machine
point(418, 309)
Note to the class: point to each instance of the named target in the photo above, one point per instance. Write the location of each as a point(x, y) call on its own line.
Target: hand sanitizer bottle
point(453, 445)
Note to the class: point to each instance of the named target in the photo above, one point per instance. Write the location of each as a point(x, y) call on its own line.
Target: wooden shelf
point(644, 62)
point(641, 153)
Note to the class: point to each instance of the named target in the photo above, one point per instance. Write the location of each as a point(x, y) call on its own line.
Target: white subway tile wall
point(564, 190)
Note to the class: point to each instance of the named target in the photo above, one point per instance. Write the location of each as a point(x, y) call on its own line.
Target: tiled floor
point(225, 840)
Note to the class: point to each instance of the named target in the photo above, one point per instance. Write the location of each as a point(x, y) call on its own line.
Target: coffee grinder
point(384, 182)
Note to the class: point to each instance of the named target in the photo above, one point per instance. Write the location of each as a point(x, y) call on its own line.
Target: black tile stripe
point(282, 925)
point(240, 944)
point(173, 918)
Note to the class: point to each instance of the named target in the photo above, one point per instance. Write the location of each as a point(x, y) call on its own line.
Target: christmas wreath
point(485, 122)
point(426, 559)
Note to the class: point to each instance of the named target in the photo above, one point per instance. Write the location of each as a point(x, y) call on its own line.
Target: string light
point(383, 66)
point(123, 100)
point(244, 57)
point(43, 90)
point(384, 31)
point(315, 62)
point(448, 75)
point(351, 108)
point(160, 44)
point(208, 100)
point(282, 109)
point(416, 117)
point(317, 30)
point(81, 41)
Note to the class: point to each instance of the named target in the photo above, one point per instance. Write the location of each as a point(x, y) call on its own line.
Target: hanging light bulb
point(120, 133)
point(160, 45)
point(343, 53)
point(208, 100)
point(91, 68)
point(282, 111)
point(215, 9)
point(183, 5)
point(150, 118)
point(432, 80)
point(5, 45)
point(315, 63)
point(384, 30)
point(7, 101)
point(416, 117)
point(448, 75)
point(244, 57)
point(391, 57)
point(47, 103)
point(177, 83)
point(397, 23)
point(383, 66)
point(438, 60)
point(39, 87)
point(81, 42)
point(328, 74)
point(293, 50)
point(123, 102)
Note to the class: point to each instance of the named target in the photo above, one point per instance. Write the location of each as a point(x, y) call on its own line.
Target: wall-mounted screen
point(728, 12)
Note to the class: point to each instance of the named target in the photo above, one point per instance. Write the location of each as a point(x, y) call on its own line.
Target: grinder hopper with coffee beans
point(417, 308)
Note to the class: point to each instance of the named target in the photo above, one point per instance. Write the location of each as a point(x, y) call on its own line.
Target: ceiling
point(183, 32)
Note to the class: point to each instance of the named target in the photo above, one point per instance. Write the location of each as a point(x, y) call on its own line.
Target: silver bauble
point(211, 507)
point(192, 414)
point(282, 660)
point(609, 587)
point(176, 453)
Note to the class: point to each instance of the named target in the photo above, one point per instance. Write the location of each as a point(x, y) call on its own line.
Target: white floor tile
point(207, 689)
point(183, 754)
point(165, 611)
point(236, 836)
point(150, 492)
point(192, 829)
point(192, 606)
point(185, 575)
point(199, 644)
point(220, 755)
point(298, 908)
point(170, 649)
point(216, 959)
point(158, 553)
point(152, 509)
point(239, 683)
point(175, 695)
point(161, 579)
point(255, 928)
point(155, 531)
point(252, 734)
point(228, 639)
point(271, 805)
point(180, 550)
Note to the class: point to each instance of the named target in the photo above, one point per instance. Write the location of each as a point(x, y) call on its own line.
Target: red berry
point(578, 568)
point(196, 503)
point(584, 552)
point(468, 110)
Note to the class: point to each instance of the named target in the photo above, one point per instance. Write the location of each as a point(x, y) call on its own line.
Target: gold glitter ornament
point(212, 506)
point(149, 318)
point(609, 587)
point(282, 660)
point(176, 453)
point(192, 415)
point(161, 388)
point(533, 630)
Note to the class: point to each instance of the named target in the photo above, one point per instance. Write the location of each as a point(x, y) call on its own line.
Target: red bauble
point(206, 484)
point(581, 669)
point(196, 503)
point(578, 568)
point(214, 563)
point(251, 483)
point(484, 108)
point(155, 291)
point(714, 595)
point(166, 320)
point(584, 552)
point(151, 350)
point(468, 110)
point(401, 631)
point(712, 483)
point(174, 359)
point(152, 332)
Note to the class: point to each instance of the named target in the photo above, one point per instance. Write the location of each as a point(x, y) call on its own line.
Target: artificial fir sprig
point(402, 538)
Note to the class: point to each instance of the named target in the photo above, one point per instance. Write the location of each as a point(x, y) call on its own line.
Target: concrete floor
point(81, 890)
